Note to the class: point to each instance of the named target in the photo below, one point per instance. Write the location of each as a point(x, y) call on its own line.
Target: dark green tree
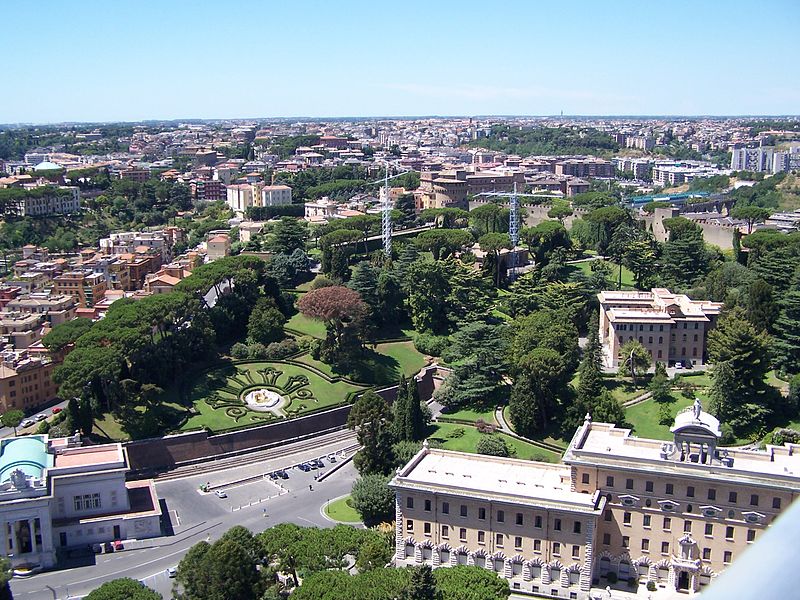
point(590, 373)
point(493, 445)
point(266, 322)
point(607, 409)
point(761, 308)
point(787, 332)
point(288, 235)
point(422, 585)
point(373, 499)
point(123, 589)
point(684, 258)
point(364, 280)
point(12, 418)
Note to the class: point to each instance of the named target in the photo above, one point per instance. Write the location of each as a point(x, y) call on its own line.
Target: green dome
point(28, 454)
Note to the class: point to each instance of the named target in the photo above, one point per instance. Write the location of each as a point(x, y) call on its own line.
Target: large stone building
point(54, 493)
point(618, 508)
point(26, 382)
point(672, 327)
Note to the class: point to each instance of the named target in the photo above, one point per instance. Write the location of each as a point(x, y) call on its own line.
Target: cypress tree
point(590, 371)
point(415, 428)
point(401, 410)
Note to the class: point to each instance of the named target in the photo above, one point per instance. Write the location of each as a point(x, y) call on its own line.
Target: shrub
point(315, 349)
point(493, 446)
point(632, 582)
point(457, 433)
point(44, 427)
point(432, 345)
point(239, 350)
point(282, 349)
point(782, 436)
point(485, 427)
point(320, 281)
point(651, 586)
point(256, 350)
point(304, 342)
point(612, 577)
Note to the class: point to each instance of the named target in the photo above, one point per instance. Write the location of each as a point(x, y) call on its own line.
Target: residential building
point(218, 246)
point(165, 280)
point(53, 308)
point(276, 195)
point(56, 494)
point(585, 167)
point(241, 196)
point(209, 191)
point(517, 518)
point(42, 201)
point(127, 242)
point(25, 381)
point(85, 286)
point(672, 327)
point(135, 174)
point(752, 159)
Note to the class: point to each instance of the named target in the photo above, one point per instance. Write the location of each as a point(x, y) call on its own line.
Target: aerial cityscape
point(441, 301)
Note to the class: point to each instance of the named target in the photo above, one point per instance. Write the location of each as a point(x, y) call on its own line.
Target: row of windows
point(687, 526)
point(669, 490)
point(86, 502)
point(519, 518)
point(727, 556)
point(632, 327)
point(499, 539)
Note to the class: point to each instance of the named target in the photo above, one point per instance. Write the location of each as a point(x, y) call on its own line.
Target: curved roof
point(47, 166)
point(685, 420)
point(28, 454)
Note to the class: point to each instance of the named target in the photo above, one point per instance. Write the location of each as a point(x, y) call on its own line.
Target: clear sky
point(85, 60)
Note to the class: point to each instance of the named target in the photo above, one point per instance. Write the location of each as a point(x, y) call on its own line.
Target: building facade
point(55, 493)
point(672, 327)
point(85, 286)
point(26, 382)
point(276, 195)
point(617, 509)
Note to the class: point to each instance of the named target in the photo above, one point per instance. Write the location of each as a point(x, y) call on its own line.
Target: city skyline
point(260, 61)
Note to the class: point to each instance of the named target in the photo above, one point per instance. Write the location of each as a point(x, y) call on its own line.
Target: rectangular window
point(537, 521)
point(482, 514)
point(629, 484)
point(462, 534)
point(727, 557)
point(463, 510)
point(409, 502)
point(626, 518)
point(664, 547)
point(445, 531)
point(78, 502)
point(712, 494)
point(729, 533)
point(690, 491)
point(648, 486)
point(687, 527)
point(556, 548)
point(626, 541)
point(519, 519)
point(409, 525)
point(732, 497)
point(445, 508)
point(667, 523)
point(501, 516)
point(753, 499)
point(537, 545)
point(646, 521)
point(498, 539)
point(609, 481)
point(606, 539)
point(706, 553)
point(576, 527)
point(709, 529)
point(585, 478)
point(481, 537)
point(557, 524)
point(576, 551)
point(607, 515)
point(751, 535)
point(646, 544)
point(518, 542)
point(427, 506)
point(776, 503)
point(669, 489)
point(427, 528)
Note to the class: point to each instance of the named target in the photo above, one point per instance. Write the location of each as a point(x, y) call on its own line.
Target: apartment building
point(517, 518)
point(585, 167)
point(752, 159)
point(679, 172)
point(25, 381)
point(128, 242)
point(135, 174)
point(209, 191)
point(241, 196)
point(42, 201)
point(672, 327)
point(53, 308)
point(218, 246)
point(55, 493)
point(85, 286)
point(276, 195)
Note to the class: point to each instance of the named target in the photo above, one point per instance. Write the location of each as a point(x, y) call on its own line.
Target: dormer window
point(668, 505)
point(710, 511)
point(753, 517)
point(629, 500)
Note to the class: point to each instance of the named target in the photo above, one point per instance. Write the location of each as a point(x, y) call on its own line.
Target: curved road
point(195, 517)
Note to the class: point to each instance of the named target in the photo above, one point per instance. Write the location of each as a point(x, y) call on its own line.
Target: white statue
point(697, 408)
point(19, 480)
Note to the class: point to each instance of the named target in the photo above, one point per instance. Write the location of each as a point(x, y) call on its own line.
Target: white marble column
point(32, 534)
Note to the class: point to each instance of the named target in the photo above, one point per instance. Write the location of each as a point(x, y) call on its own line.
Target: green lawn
point(548, 437)
point(139, 423)
point(340, 510)
point(644, 417)
point(469, 440)
point(468, 414)
point(409, 359)
point(306, 326)
point(229, 381)
point(622, 388)
point(698, 379)
point(627, 277)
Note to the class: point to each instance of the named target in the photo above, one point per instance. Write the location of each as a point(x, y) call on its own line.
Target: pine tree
point(416, 420)
point(607, 409)
point(787, 333)
point(761, 308)
point(590, 370)
point(399, 408)
point(422, 585)
point(660, 388)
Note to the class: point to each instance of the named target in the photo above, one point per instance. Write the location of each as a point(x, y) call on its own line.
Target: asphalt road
point(9, 431)
point(195, 516)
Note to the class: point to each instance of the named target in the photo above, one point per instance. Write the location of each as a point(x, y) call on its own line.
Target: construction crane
point(386, 210)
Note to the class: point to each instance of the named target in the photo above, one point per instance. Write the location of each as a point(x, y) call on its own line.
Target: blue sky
point(122, 60)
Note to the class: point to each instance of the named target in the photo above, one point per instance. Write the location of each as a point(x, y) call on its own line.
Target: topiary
point(651, 586)
point(239, 350)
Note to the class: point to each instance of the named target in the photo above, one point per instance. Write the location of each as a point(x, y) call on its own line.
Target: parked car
point(220, 494)
point(331, 458)
point(108, 547)
point(678, 365)
point(273, 475)
point(27, 423)
point(40, 417)
point(318, 462)
point(97, 548)
point(283, 474)
point(304, 467)
point(118, 546)
point(172, 572)
point(57, 409)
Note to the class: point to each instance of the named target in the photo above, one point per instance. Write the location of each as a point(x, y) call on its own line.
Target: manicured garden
point(644, 417)
point(306, 326)
point(218, 395)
